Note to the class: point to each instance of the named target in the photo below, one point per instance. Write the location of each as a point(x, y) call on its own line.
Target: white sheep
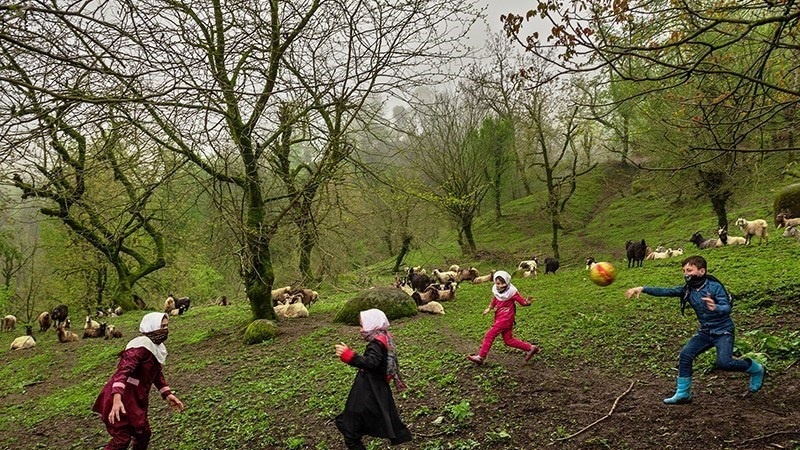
point(9, 323)
point(529, 265)
point(792, 231)
point(431, 308)
point(24, 342)
point(484, 278)
point(677, 252)
point(280, 308)
point(296, 310)
point(280, 294)
point(454, 268)
point(752, 228)
point(444, 277)
point(659, 255)
point(730, 240)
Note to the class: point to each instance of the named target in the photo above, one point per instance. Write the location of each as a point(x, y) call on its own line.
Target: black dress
point(370, 408)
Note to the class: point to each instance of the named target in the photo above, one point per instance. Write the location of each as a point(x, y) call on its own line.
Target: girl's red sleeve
point(161, 384)
point(128, 362)
point(521, 300)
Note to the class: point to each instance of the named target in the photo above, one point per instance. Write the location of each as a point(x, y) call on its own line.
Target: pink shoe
point(534, 350)
point(476, 359)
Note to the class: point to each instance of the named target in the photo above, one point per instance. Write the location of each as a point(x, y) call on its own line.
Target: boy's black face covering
point(694, 281)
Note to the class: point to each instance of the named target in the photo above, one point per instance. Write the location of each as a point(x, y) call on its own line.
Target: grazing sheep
point(9, 323)
point(590, 262)
point(783, 219)
point(59, 315)
point(23, 342)
point(430, 294)
point(550, 266)
point(444, 277)
point(752, 228)
point(697, 239)
point(530, 265)
point(99, 332)
point(730, 240)
point(65, 335)
point(112, 332)
point(636, 252)
point(431, 308)
point(44, 321)
point(792, 231)
point(91, 324)
point(181, 304)
point(467, 274)
point(484, 278)
point(659, 255)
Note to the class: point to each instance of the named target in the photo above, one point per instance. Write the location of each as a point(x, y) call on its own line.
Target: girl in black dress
point(370, 408)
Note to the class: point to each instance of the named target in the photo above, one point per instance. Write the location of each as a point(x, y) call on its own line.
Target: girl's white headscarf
point(373, 324)
point(150, 322)
point(510, 290)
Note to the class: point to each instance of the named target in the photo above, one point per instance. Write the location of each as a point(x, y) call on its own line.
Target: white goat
point(730, 240)
point(659, 255)
point(530, 265)
point(752, 228)
point(792, 231)
point(444, 277)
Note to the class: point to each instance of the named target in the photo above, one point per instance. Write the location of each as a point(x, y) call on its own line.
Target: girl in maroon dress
point(123, 402)
point(370, 408)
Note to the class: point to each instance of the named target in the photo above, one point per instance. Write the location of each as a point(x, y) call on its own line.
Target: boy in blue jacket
point(712, 304)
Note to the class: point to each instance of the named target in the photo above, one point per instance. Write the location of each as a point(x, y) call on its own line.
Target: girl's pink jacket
point(506, 310)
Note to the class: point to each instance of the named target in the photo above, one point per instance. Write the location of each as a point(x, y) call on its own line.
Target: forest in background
point(183, 158)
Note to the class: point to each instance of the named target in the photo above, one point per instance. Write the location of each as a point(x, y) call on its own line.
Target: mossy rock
point(788, 199)
point(393, 302)
point(259, 331)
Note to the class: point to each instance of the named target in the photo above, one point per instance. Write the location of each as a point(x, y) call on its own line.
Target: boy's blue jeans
point(703, 341)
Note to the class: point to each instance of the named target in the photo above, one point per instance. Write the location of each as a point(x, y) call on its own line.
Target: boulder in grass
point(259, 331)
point(393, 302)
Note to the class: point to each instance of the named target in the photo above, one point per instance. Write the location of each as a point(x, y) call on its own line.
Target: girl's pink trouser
point(508, 338)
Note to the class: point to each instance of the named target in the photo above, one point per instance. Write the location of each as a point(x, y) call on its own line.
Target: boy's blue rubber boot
point(756, 372)
point(683, 394)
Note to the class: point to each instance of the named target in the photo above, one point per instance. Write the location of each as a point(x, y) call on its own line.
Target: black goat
point(636, 251)
point(59, 315)
point(550, 265)
point(697, 239)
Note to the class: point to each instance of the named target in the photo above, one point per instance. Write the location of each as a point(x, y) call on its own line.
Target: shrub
point(788, 199)
point(259, 331)
point(393, 302)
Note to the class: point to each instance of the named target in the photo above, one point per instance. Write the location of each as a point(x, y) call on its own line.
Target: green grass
point(251, 396)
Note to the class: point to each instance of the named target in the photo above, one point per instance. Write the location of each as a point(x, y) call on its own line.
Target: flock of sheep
point(428, 291)
point(293, 303)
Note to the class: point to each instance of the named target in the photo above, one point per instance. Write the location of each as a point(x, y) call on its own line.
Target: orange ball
point(602, 273)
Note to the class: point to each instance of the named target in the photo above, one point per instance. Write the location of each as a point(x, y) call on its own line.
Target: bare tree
point(207, 82)
point(449, 156)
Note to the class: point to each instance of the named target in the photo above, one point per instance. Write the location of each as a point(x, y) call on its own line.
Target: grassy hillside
point(284, 394)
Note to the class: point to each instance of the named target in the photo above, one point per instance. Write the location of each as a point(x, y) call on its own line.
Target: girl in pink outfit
point(504, 303)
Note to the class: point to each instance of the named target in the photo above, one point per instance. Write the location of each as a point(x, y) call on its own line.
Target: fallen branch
point(32, 383)
point(611, 411)
point(767, 436)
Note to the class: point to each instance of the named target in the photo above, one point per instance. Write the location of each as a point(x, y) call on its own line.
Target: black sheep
point(550, 265)
point(59, 315)
point(636, 252)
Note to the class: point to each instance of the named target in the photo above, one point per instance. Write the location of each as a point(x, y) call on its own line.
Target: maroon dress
point(138, 370)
